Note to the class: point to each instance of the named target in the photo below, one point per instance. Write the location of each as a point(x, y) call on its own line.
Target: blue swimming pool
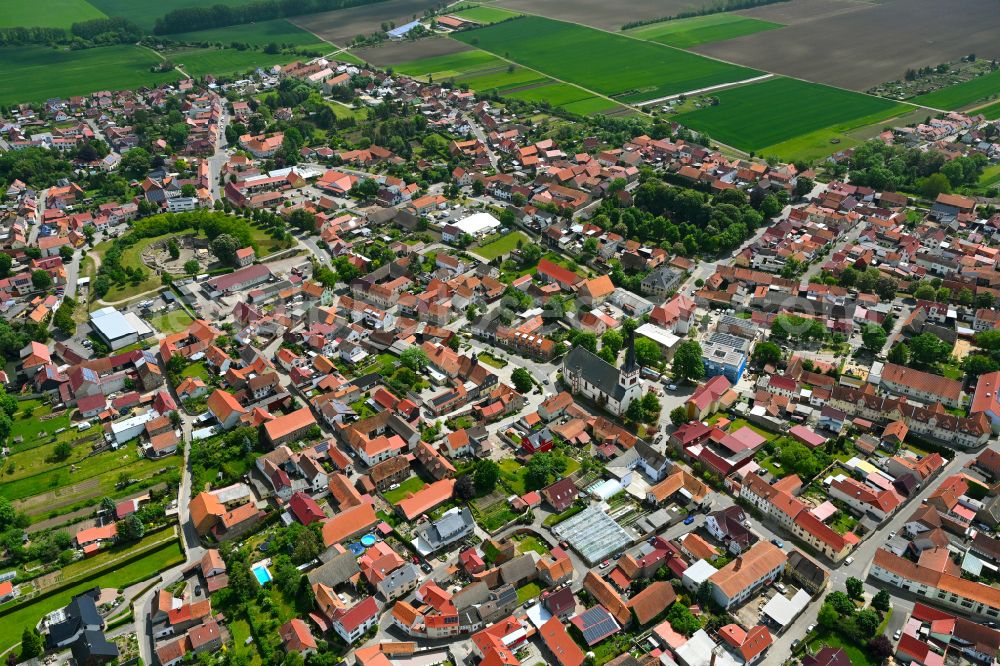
point(368, 540)
point(262, 574)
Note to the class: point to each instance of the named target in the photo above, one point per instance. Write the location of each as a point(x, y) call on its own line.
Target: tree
point(40, 279)
point(613, 340)
point(797, 458)
point(414, 358)
point(978, 364)
point(191, 266)
point(522, 380)
point(173, 249)
point(63, 318)
point(933, 185)
point(647, 352)
point(925, 292)
point(32, 644)
point(766, 353)
point(688, 365)
point(678, 415)
point(873, 338)
point(841, 603)
point(486, 475)
point(634, 412)
point(880, 647)
point(882, 601)
point(131, 529)
point(803, 186)
point(542, 469)
point(867, 621)
point(465, 488)
point(66, 253)
point(5, 263)
point(927, 349)
point(609, 356)
point(224, 247)
point(135, 163)
point(886, 287)
point(855, 588)
point(682, 620)
point(828, 616)
point(62, 450)
point(899, 354)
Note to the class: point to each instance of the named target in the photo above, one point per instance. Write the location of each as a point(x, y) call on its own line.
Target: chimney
point(737, 564)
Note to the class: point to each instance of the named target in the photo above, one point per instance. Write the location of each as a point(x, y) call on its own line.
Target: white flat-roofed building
point(112, 327)
point(476, 225)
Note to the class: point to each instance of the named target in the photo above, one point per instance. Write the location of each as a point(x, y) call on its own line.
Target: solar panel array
point(597, 624)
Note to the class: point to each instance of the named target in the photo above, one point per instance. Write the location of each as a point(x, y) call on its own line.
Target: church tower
point(629, 374)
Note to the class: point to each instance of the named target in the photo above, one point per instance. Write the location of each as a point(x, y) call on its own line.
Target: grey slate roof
point(595, 371)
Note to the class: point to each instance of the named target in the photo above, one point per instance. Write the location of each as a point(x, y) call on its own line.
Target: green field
point(174, 321)
point(30, 420)
point(409, 487)
point(684, 33)
point(47, 13)
point(502, 245)
point(992, 112)
point(556, 94)
point(628, 69)
point(452, 65)
point(500, 79)
point(144, 14)
point(955, 97)
point(759, 116)
point(199, 62)
point(592, 105)
point(485, 15)
point(26, 615)
point(278, 31)
point(36, 73)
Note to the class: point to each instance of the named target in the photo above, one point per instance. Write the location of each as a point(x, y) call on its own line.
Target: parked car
point(778, 542)
point(605, 564)
point(426, 568)
point(689, 520)
point(896, 636)
point(849, 561)
point(672, 387)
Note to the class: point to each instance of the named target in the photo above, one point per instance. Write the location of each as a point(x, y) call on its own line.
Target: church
point(612, 388)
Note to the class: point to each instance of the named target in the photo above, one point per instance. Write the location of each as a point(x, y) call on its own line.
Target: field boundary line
point(719, 86)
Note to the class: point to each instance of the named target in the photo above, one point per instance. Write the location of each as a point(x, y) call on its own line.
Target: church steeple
point(630, 369)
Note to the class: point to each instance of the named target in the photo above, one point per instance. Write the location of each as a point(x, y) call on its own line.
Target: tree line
point(95, 32)
point(190, 19)
point(717, 8)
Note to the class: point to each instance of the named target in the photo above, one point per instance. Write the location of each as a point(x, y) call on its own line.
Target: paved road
point(219, 157)
point(478, 132)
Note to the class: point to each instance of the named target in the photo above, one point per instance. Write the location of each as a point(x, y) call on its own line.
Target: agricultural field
point(756, 117)
point(35, 73)
point(859, 45)
point(144, 14)
point(23, 615)
point(341, 26)
point(392, 54)
point(485, 15)
point(992, 112)
point(199, 62)
point(684, 33)
point(979, 89)
point(603, 14)
point(46, 13)
point(628, 69)
point(278, 31)
point(501, 79)
point(451, 65)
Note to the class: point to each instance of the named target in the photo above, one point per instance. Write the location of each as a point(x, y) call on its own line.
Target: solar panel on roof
point(597, 624)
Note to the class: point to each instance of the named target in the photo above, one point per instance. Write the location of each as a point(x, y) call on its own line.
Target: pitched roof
point(559, 643)
point(748, 568)
point(652, 601)
point(348, 523)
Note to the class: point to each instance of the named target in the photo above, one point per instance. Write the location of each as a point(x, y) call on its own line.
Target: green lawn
point(512, 473)
point(36, 473)
point(174, 321)
point(278, 31)
point(35, 73)
point(105, 557)
point(684, 33)
point(843, 522)
point(491, 360)
point(485, 15)
point(26, 615)
point(28, 423)
point(606, 63)
point(528, 591)
point(531, 543)
point(962, 94)
point(555, 93)
point(196, 370)
point(858, 656)
point(503, 245)
point(759, 116)
point(590, 106)
point(46, 13)
point(991, 176)
point(409, 487)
